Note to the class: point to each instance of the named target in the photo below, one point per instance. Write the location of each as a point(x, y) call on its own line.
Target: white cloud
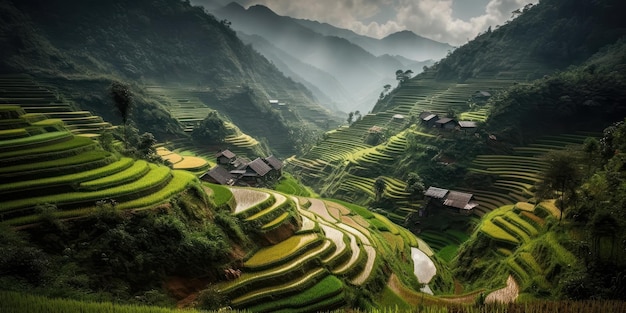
point(429, 18)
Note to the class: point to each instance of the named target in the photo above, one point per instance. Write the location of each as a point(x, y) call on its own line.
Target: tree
point(212, 129)
point(350, 118)
point(123, 100)
point(379, 188)
point(415, 185)
point(146, 146)
point(561, 177)
point(591, 147)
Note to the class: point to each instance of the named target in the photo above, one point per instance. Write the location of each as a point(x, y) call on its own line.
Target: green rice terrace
point(38, 100)
point(44, 163)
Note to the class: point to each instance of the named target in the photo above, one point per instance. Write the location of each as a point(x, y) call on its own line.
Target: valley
point(492, 180)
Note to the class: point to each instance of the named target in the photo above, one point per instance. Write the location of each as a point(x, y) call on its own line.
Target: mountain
point(528, 121)
point(356, 70)
point(404, 43)
point(157, 43)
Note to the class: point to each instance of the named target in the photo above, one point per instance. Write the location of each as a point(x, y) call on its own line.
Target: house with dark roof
point(225, 157)
point(466, 126)
point(253, 173)
point(275, 164)
point(234, 170)
point(453, 201)
point(428, 118)
point(447, 123)
point(218, 175)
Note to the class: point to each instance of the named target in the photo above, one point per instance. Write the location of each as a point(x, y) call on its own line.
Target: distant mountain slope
point(552, 34)
point(357, 70)
point(323, 85)
point(163, 42)
point(405, 43)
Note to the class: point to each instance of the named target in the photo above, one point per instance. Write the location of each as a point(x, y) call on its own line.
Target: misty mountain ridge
point(357, 70)
point(404, 43)
point(155, 43)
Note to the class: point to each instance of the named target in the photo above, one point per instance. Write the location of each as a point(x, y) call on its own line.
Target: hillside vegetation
point(95, 216)
point(166, 44)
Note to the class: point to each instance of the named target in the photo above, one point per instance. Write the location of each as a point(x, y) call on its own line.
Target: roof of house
point(430, 117)
point(460, 200)
point(483, 93)
point(375, 129)
point(273, 101)
point(259, 167)
point(424, 114)
point(398, 116)
point(274, 162)
point(445, 120)
point(467, 124)
point(437, 193)
point(241, 162)
point(220, 175)
point(227, 153)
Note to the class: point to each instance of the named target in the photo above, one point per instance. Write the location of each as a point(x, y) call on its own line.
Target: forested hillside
point(496, 175)
point(165, 43)
point(488, 120)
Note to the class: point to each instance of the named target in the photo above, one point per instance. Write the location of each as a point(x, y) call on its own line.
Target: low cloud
point(433, 19)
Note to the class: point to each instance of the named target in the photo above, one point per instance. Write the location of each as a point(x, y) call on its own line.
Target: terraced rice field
point(247, 198)
point(37, 100)
point(51, 165)
point(517, 233)
point(191, 163)
point(278, 273)
point(516, 175)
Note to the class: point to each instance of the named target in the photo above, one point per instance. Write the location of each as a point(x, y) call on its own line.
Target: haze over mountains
point(343, 69)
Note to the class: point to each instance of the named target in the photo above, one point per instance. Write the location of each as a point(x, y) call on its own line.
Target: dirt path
point(507, 294)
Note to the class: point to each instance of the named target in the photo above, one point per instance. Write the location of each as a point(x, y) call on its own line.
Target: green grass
point(221, 195)
point(25, 303)
point(448, 252)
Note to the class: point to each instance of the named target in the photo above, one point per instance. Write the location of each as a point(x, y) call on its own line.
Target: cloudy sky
point(451, 21)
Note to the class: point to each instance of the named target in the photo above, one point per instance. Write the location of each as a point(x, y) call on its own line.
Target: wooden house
point(428, 118)
point(466, 126)
point(453, 201)
point(225, 157)
point(254, 172)
point(275, 164)
point(218, 175)
point(446, 123)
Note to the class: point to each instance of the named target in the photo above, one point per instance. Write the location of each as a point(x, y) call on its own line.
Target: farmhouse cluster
point(233, 170)
point(433, 120)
